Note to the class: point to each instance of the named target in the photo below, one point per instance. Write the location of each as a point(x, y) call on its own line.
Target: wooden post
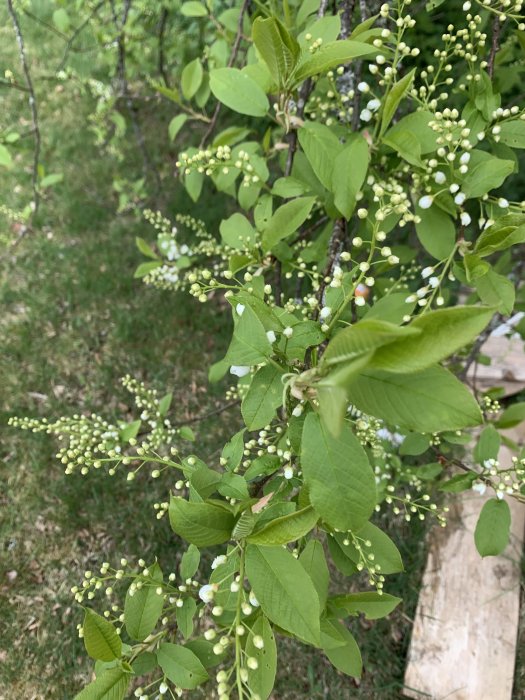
point(464, 638)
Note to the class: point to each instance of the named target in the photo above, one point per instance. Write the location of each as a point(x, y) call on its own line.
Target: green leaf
point(321, 147)
point(286, 529)
point(441, 333)
point(145, 248)
point(393, 308)
point(486, 172)
point(189, 562)
point(417, 124)
point(493, 528)
point(193, 9)
point(262, 679)
point(332, 392)
point(393, 98)
point(488, 444)
point(505, 232)
point(110, 685)
point(284, 590)
point(238, 91)
point(497, 290)
point(475, 267)
point(233, 451)
point(61, 20)
point(51, 179)
point(340, 481)
point(249, 345)
point(335, 53)
point(414, 444)
point(5, 157)
point(191, 78)
point(313, 561)
point(185, 615)
point(181, 666)
point(429, 401)
point(511, 416)
point(373, 604)
point(237, 232)
point(349, 172)
point(202, 524)
point(346, 656)
point(100, 638)
point(458, 483)
point(386, 554)
point(186, 433)
point(365, 336)
point(165, 403)
point(278, 49)
point(143, 606)
point(305, 334)
point(233, 486)
point(264, 396)
point(286, 220)
point(513, 133)
point(130, 431)
point(436, 232)
point(146, 267)
point(203, 650)
point(176, 125)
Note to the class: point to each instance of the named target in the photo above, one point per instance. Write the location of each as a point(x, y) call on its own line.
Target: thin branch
point(478, 343)
point(76, 33)
point(334, 250)
point(162, 32)
point(210, 414)
point(15, 86)
point(233, 57)
point(496, 31)
point(124, 90)
point(32, 105)
point(347, 10)
point(45, 24)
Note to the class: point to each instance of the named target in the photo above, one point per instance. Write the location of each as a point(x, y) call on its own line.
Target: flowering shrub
point(370, 245)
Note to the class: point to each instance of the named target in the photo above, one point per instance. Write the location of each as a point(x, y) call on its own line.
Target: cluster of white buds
point(505, 9)
point(505, 481)
point(419, 507)
point(220, 160)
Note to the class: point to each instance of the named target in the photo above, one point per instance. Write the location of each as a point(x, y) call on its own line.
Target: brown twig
point(334, 248)
point(32, 105)
point(347, 10)
point(162, 32)
point(233, 57)
point(496, 31)
point(148, 167)
point(210, 414)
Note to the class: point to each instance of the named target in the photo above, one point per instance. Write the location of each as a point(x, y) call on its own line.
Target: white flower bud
point(426, 201)
point(271, 337)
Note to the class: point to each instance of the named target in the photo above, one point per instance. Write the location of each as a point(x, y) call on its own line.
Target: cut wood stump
point(463, 644)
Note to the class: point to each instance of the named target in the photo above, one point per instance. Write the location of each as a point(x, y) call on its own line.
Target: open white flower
point(207, 593)
point(465, 218)
point(221, 559)
point(239, 370)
